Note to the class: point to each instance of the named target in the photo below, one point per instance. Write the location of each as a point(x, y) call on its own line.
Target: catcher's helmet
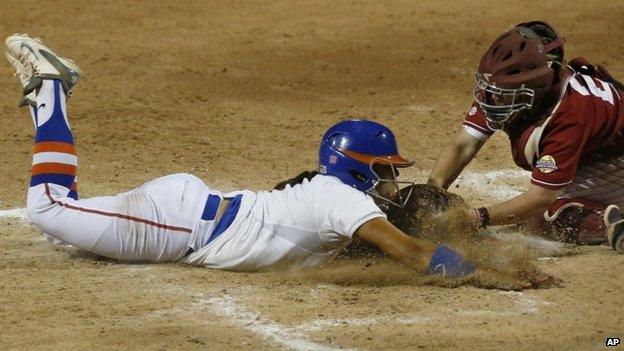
point(350, 148)
point(516, 72)
point(552, 40)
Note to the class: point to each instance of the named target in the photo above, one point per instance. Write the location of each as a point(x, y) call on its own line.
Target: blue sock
point(54, 155)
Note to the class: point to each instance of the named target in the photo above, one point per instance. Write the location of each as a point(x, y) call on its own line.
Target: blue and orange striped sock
point(54, 154)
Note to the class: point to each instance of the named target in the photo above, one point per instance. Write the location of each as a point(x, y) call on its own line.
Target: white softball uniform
point(300, 226)
point(172, 218)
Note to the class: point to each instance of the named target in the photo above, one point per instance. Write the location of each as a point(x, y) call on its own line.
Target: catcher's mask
point(350, 150)
point(515, 73)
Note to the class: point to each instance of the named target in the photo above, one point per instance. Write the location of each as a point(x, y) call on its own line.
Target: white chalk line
point(297, 337)
point(323, 324)
point(240, 315)
point(495, 184)
point(525, 305)
point(15, 213)
point(294, 338)
point(256, 323)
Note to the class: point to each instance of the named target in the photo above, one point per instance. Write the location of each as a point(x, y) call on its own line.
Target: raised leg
point(140, 225)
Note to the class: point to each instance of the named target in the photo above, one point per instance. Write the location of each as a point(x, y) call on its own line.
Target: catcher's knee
point(577, 221)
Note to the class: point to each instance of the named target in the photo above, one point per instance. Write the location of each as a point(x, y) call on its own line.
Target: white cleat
point(615, 228)
point(24, 73)
point(43, 63)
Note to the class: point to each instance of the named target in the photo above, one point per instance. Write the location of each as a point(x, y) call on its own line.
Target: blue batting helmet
point(350, 148)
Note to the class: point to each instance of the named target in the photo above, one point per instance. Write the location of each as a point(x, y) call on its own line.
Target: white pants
point(155, 222)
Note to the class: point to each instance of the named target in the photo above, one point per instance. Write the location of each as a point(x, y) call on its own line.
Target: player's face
point(499, 99)
point(502, 108)
point(500, 104)
point(386, 189)
point(508, 99)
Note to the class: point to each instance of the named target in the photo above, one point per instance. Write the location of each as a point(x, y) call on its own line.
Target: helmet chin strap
point(494, 125)
point(373, 190)
point(554, 44)
point(402, 202)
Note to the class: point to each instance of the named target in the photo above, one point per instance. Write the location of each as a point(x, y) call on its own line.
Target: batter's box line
point(238, 314)
point(297, 338)
point(256, 323)
point(525, 305)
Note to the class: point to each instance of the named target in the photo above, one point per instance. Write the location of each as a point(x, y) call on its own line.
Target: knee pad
point(577, 221)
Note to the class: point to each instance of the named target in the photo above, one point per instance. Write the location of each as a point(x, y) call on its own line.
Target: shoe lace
point(22, 71)
point(29, 62)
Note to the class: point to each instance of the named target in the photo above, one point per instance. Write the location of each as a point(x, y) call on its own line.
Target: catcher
point(565, 123)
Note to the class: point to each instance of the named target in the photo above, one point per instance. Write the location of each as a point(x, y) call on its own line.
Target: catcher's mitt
point(424, 201)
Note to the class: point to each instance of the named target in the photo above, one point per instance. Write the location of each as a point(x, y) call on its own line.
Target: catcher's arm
point(523, 206)
point(456, 155)
point(419, 254)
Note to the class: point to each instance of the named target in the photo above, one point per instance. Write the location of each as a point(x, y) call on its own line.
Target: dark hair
point(296, 180)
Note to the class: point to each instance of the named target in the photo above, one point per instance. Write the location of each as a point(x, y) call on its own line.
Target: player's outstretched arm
point(523, 206)
point(421, 255)
point(456, 155)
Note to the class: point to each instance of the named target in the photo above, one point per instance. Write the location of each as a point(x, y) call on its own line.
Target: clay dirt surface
point(239, 93)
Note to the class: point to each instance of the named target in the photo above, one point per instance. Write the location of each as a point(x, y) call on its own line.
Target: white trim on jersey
point(473, 132)
point(578, 87)
point(551, 184)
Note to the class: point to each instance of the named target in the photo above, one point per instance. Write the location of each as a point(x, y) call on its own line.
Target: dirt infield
point(239, 93)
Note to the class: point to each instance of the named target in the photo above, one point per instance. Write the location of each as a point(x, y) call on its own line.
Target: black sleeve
point(296, 180)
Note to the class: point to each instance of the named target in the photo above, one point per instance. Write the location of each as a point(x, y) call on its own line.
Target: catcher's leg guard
point(577, 221)
point(615, 228)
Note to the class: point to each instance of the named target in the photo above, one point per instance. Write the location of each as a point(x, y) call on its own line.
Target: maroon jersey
point(585, 127)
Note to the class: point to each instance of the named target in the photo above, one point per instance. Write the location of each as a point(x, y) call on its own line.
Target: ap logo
point(612, 342)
